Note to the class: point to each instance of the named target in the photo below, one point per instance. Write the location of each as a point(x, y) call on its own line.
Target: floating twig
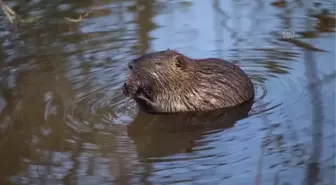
point(80, 18)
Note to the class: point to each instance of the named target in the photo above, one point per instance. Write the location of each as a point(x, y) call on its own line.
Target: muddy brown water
point(64, 120)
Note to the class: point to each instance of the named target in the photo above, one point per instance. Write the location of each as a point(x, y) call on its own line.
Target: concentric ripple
point(99, 91)
point(65, 120)
point(272, 79)
point(97, 95)
point(186, 156)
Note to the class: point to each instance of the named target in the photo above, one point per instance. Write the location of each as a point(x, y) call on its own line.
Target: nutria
point(168, 81)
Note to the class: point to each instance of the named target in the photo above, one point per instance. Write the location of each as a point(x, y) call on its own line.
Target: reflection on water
point(153, 133)
point(64, 120)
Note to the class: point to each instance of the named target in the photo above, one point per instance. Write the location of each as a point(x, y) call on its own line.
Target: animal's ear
point(180, 62)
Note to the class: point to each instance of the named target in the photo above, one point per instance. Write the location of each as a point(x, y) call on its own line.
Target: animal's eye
point(158, 63)
point(130, 66)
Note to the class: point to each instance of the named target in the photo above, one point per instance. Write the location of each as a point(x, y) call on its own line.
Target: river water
point(64, 120)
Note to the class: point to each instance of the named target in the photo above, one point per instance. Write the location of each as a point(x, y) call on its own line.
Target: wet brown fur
point(168, 81)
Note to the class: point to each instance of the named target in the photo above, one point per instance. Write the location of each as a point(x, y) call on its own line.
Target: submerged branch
point(13, 16)
point(10, 13)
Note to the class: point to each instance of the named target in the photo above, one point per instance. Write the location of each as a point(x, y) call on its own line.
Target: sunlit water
point(64, 119)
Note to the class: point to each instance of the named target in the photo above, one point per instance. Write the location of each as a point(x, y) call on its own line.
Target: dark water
point(63, 119)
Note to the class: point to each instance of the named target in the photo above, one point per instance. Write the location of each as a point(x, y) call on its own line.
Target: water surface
point(64, 120)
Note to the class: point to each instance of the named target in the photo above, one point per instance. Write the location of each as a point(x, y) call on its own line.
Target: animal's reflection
point(158, 135)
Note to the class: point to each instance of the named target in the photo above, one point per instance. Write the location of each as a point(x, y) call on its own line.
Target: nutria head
point(168, 81)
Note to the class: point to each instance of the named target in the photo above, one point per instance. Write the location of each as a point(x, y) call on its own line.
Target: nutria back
point(168, 81)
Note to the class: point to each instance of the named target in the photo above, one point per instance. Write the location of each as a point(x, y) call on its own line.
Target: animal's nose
point(130, 87)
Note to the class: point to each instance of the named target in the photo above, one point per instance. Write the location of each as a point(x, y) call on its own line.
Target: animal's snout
point(131, 87)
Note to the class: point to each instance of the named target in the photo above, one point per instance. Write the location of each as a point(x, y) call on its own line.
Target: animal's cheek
point(149, 92)
point(154, 76)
